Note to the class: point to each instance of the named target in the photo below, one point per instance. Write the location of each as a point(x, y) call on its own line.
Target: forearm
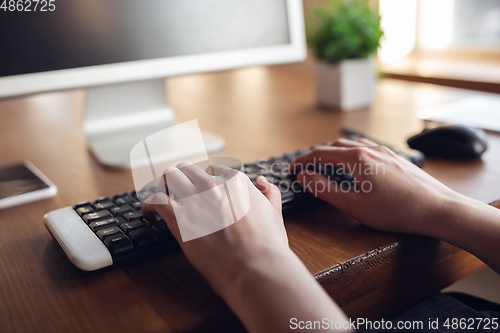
point(470, 225)
point(269, 293)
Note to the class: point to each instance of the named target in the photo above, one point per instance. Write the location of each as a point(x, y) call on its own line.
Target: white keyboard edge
point(85, 250)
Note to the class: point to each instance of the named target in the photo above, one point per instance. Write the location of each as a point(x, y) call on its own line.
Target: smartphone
point(22, 183)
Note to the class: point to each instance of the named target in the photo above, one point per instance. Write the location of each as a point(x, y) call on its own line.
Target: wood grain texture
point(260, 111)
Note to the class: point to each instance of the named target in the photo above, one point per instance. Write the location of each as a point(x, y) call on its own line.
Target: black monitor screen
point(80, 33)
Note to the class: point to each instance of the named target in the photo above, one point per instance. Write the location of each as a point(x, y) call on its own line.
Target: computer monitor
point(121, 51)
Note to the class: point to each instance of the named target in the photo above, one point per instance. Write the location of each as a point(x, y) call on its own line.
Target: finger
point(227, 162)
point(342, 142)
point(324, 155)
point(319, 186)
point(368, 142)
point(177, 183)
point(222, 173)
point(193, 172)
point(210, 170)
point(270, 191)
point(159, 204)
point(149, 205)
point(217, 169)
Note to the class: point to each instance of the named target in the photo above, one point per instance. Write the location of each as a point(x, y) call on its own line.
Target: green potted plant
point(343, 35)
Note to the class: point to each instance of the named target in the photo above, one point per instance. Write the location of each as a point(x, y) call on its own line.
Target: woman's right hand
point(394, 195)
point(390, 193)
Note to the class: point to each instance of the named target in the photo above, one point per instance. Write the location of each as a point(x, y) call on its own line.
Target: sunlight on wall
point(399, 23)
point(436, 24)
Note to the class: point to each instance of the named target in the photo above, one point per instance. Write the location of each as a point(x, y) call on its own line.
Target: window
point(440, 27)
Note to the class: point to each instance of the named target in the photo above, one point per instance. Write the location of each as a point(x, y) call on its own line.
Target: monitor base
point(119, 116)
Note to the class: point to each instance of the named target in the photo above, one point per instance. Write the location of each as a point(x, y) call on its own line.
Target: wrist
point(472, 226)
point(447, 217)
point(264, 264)
point(268, 292)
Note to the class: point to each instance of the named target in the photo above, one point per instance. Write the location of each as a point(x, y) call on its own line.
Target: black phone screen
point(18, 179)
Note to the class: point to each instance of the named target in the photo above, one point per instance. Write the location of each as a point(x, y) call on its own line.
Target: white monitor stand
point(118, 116)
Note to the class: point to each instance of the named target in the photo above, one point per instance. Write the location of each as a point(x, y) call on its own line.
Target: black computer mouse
point(451, 142)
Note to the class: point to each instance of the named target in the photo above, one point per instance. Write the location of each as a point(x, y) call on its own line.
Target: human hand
point(391, 193)
point(255, 239)
point(247, 263)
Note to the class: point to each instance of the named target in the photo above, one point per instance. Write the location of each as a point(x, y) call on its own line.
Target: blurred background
point(450, 42)
point(467, 29)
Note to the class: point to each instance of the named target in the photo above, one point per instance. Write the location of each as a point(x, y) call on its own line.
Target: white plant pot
point(348, 85)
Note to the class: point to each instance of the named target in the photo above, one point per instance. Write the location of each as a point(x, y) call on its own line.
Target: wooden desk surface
point(260, 111)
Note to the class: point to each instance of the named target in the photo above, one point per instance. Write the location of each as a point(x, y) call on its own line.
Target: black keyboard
point(118, 223)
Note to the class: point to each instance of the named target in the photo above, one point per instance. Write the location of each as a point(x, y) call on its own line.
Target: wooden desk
point(260, 111)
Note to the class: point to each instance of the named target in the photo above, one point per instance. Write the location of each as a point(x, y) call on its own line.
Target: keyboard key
point(143, 237)
point(129, 226)
point(278, 166)
point(82, 204)
point(104, 205)
point(137, 215)
point(252, 176)
point(121, 195)
point(103, 233)
point(119, 244)
point(124, 200)
point(286, 174)
point(290, 156)
point(303, 151)
point(142, 195)
point(287, 197)
point(102, 224)
point(150, 221)
point(285, 185)
point(147, 222)
point(136, 205)
point(93, 217)
point(85, 210)
point(159, 226)
point(264, 171)
point(119, 211)
point(102, 199)
point(272, 180)
point(250, 168)
point(163, 232)
point(158, 221)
